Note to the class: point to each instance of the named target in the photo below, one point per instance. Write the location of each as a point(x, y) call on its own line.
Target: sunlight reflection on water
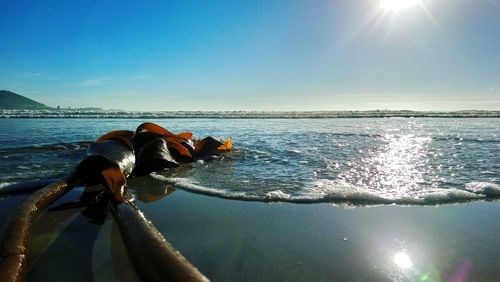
point(396, 167)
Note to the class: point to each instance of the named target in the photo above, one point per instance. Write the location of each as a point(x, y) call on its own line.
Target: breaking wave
point(104, 114)
point(336, 191)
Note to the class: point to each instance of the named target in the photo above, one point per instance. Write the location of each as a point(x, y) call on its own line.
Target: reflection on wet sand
point(148, 189)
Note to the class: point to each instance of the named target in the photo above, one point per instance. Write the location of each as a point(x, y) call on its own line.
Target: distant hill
point(12, 101)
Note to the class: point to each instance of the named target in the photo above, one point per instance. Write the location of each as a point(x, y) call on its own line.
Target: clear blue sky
point(253, 55)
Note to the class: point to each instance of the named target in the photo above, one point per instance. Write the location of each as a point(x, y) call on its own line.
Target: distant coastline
point(121, 114)
point(13, 105)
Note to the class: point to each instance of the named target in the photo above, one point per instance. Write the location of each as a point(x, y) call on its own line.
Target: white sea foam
point(190, 185)
point(23, 167)
point(334, 190)
point(484, 188)
point(330, 190)
point(337, 191)
point(4, 184)
point(100, 113)
point(186, 184)
point(277, 195)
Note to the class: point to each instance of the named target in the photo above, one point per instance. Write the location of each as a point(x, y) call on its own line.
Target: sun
point(396, 6)
point(402, 260)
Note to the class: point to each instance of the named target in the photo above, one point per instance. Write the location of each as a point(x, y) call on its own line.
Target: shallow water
point(354, 161)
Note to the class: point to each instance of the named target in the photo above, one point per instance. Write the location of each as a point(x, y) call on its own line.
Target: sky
point(253, 55)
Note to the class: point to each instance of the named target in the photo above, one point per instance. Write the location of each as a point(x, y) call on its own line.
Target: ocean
point(387, 199)
point(343, 161)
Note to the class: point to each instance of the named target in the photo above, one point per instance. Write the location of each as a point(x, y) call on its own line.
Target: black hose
point(152, 255)
point(16, 230)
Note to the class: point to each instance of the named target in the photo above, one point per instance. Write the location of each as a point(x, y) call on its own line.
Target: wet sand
point(247, 241)
point(251, 241)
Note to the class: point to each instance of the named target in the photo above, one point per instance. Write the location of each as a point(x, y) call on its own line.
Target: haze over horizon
point(259, 55)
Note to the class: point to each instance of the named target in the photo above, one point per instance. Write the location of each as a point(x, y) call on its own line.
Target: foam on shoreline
point(328, 191)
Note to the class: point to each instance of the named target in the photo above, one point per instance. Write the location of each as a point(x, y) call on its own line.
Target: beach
point(265, 141)
point(231, 240)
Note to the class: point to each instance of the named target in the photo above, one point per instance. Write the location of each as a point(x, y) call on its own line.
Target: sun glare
point(402, 260)
point(397, 5)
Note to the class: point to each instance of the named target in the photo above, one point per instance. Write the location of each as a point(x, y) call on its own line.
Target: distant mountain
point(12, 101)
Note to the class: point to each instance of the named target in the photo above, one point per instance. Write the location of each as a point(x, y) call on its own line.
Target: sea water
point(354, 161)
